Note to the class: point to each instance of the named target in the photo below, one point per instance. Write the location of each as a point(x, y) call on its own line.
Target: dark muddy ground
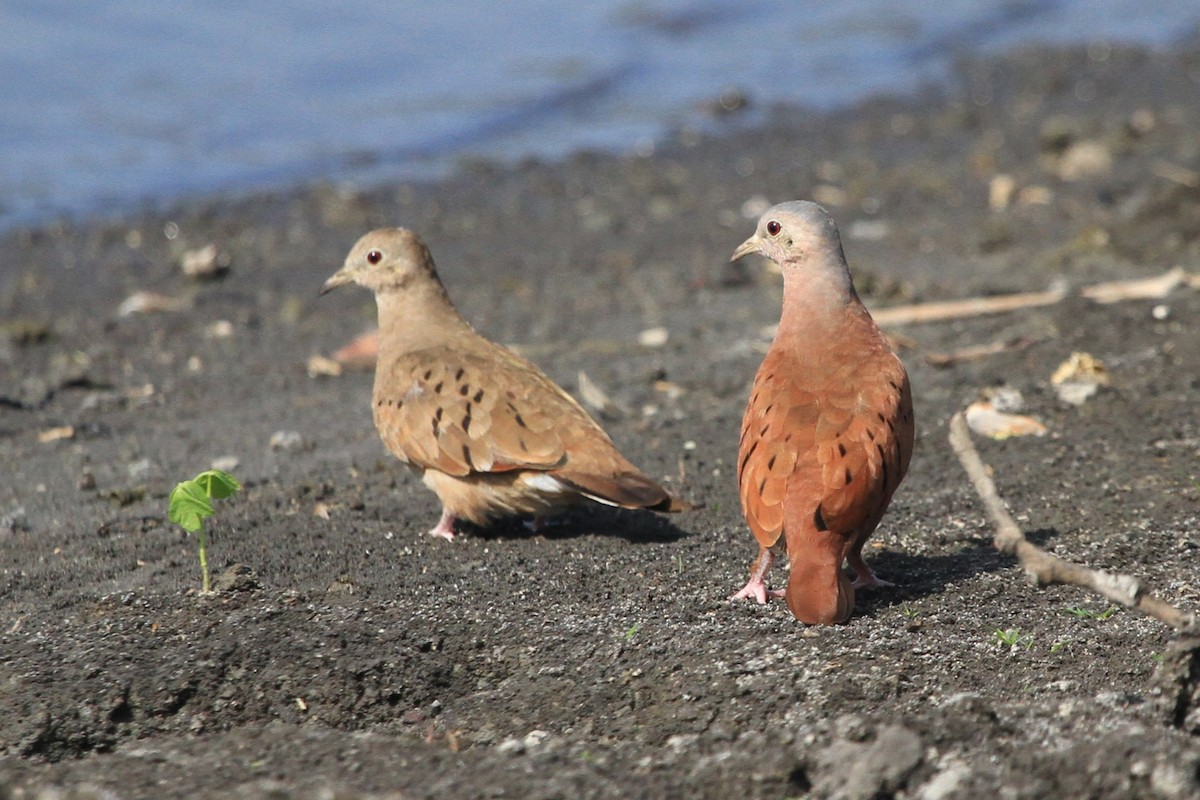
point(352, 656)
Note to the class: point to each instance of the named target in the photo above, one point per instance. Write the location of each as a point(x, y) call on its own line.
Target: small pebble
point(286, 440)
point(653, 337)
point(225, 463)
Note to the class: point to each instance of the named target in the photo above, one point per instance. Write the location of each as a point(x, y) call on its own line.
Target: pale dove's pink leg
point(756, 587)
point(445, 526)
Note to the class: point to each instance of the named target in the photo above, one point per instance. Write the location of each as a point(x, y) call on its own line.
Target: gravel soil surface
point(347, 654)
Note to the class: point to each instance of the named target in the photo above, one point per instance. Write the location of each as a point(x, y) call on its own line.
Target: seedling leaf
point(189, 506)
point(217, 484)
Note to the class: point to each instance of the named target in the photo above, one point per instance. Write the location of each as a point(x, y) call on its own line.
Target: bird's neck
point(417, 317)
point(817, 301)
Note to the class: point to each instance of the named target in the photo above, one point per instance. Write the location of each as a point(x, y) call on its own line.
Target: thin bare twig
point(1110, 292)
point(1041, 567)
point(967, 307)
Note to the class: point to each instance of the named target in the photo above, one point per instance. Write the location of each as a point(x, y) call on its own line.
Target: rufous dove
point(828, 432)
point(485, 429)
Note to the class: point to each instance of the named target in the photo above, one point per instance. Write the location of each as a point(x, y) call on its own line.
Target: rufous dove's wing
point(863, 451)
point(777, 432)
point(840, 450)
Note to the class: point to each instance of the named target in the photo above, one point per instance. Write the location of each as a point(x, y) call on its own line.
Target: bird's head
point(794, 233)
point(385, 259)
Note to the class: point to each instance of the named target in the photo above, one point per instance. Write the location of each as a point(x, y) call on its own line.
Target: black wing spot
point(437, 388)
point(745, 458)
point(428, 374)
point(882, 418)
point(521, 442)
point(478, 395)
point(466, 422)
point(520, 420)
point(378, 402)
point(465, 389)
point(467, 456)
point(458, 375)
point(819, 520)
point(841, 449)
point(849, 477)
point(771, 463)
point(764, 430)
point(871, 434)
point(762, 485)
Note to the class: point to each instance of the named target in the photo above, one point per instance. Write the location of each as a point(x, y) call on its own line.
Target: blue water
point(107, 103)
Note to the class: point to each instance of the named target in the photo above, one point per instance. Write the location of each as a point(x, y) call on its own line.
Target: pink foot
point(870, 581)
point(445, 527)
point(756, 588)
point(864, 577)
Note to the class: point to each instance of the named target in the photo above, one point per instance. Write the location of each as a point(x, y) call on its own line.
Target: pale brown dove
point(828, 432)
point(488, 432)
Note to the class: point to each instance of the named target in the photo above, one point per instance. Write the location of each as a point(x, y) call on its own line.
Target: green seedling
point(1011, 637)
point(908, 612)
point(191, 504)
point(629, 633)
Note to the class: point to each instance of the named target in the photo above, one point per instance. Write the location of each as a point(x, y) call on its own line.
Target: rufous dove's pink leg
point(756, 587)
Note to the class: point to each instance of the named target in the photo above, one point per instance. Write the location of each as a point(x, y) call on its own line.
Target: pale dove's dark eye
point(773, 228)
point(374, 257)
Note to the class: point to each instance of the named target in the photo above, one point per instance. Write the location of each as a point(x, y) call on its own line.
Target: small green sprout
point(909, 612)
point(1011, 637)
point(191, 504)
point(629, 633)
point(1059, 645)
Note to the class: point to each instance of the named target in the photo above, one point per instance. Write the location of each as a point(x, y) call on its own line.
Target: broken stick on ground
point(1044, 568)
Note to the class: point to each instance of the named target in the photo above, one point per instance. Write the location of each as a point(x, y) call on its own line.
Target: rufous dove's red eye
point(774, 228)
